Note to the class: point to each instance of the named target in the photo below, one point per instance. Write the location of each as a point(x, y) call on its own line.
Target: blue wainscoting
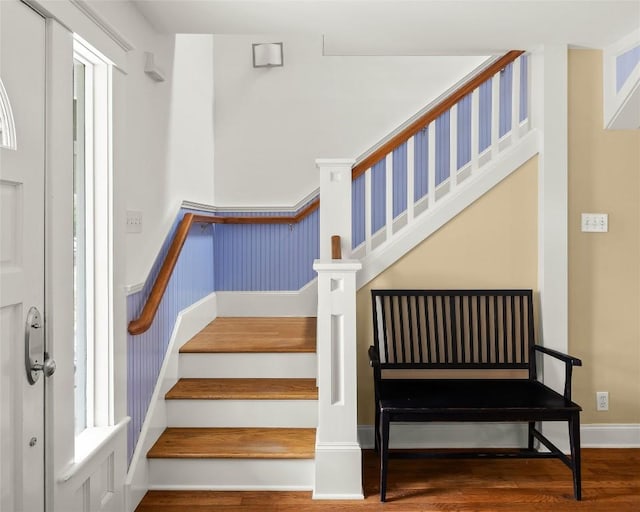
point(192, 280)
point(265, 257)
point(625, 64)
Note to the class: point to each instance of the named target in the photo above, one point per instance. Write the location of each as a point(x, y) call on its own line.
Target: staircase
point(243, 412)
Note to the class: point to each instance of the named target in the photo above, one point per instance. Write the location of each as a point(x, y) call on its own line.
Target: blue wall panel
point(266, 257)
point(421, 163)
point(625, 64)
point(506, 94)
point(485, 101)
point(443, 142)
point(464, 131)
point(399, 180)
point(357, 211)
point(378, 195)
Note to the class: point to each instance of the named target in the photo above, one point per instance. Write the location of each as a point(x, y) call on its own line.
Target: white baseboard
point(189, 322)
point(610, 435)
point(494, 435)
point(303, 302)
point(449, 435)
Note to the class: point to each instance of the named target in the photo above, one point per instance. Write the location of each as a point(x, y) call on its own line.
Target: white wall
point(271, 124)
point(191, 128)
point(169, 131)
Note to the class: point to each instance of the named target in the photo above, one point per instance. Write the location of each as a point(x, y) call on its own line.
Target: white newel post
point(335, 204)
point(338, 455)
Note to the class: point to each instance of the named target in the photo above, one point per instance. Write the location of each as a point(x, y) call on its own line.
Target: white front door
point(22, 173)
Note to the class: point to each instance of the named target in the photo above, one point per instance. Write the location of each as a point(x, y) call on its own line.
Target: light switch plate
point(134, 221)
point(595, 222)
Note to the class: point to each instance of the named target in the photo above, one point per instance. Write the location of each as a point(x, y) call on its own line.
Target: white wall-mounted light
point(267, 55)
point(152, 69)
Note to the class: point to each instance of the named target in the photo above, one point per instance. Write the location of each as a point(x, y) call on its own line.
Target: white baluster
point(475, 129)
point(410, 177)
point(515, 101)
point(453, 148)
point(431, 168)
point(389, 197)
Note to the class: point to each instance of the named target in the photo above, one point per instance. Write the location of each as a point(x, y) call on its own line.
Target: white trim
point(133, 288)
point(214, 487)
point(92, 440)
point(303, 302)
point(253, 209)
point(611, 435)
point(455, 435)
point(114, 34)
point(189, 322)
point(449, 435)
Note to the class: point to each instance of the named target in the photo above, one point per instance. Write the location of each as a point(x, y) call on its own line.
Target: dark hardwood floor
point(611, 483)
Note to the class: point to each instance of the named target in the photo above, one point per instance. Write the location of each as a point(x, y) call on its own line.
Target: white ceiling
point(417, 27)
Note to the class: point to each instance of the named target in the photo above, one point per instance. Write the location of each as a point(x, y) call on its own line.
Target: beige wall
point(604, 269)
point(491, 244)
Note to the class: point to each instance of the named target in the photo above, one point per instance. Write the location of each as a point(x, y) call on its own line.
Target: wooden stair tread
point(243, 389)
point(250, 334)
point(235, 443)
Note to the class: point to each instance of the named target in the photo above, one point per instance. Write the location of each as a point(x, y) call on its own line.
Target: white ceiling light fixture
point(268, 55)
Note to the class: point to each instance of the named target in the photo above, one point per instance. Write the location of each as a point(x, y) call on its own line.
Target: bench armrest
point(558, 355)
point(569, 362)
point(374, 358)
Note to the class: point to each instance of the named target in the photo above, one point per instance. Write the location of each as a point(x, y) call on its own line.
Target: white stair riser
point(231, 474)
point(250, 365)
point(242, 413)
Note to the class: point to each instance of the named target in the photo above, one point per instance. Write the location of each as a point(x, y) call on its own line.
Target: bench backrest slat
point(492, 329)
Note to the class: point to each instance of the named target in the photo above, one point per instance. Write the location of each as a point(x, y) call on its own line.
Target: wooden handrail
point(435, 112)
point(336, 248)
point(143, 322)
point(150, 308)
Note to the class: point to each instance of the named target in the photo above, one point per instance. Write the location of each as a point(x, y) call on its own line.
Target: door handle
point(36, 359)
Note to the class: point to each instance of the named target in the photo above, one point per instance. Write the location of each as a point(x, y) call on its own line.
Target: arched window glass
point(7, 125)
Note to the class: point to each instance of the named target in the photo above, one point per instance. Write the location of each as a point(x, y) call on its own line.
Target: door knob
point(48, 368)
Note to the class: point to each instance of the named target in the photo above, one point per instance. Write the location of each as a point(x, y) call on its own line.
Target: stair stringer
point(431, 220)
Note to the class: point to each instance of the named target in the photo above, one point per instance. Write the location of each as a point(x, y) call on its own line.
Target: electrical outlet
point(602, 400)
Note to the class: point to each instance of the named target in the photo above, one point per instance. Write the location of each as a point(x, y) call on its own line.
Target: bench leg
point(384, 455)
point(532, 426)
point(376, 429)
point(574, 441)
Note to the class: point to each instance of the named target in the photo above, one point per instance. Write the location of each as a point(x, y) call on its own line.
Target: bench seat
point(442, 400)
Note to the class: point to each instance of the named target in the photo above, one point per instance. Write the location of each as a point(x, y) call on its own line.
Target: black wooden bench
point(488, 333)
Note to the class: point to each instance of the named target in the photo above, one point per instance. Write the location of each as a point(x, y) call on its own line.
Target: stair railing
point(420, 167)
